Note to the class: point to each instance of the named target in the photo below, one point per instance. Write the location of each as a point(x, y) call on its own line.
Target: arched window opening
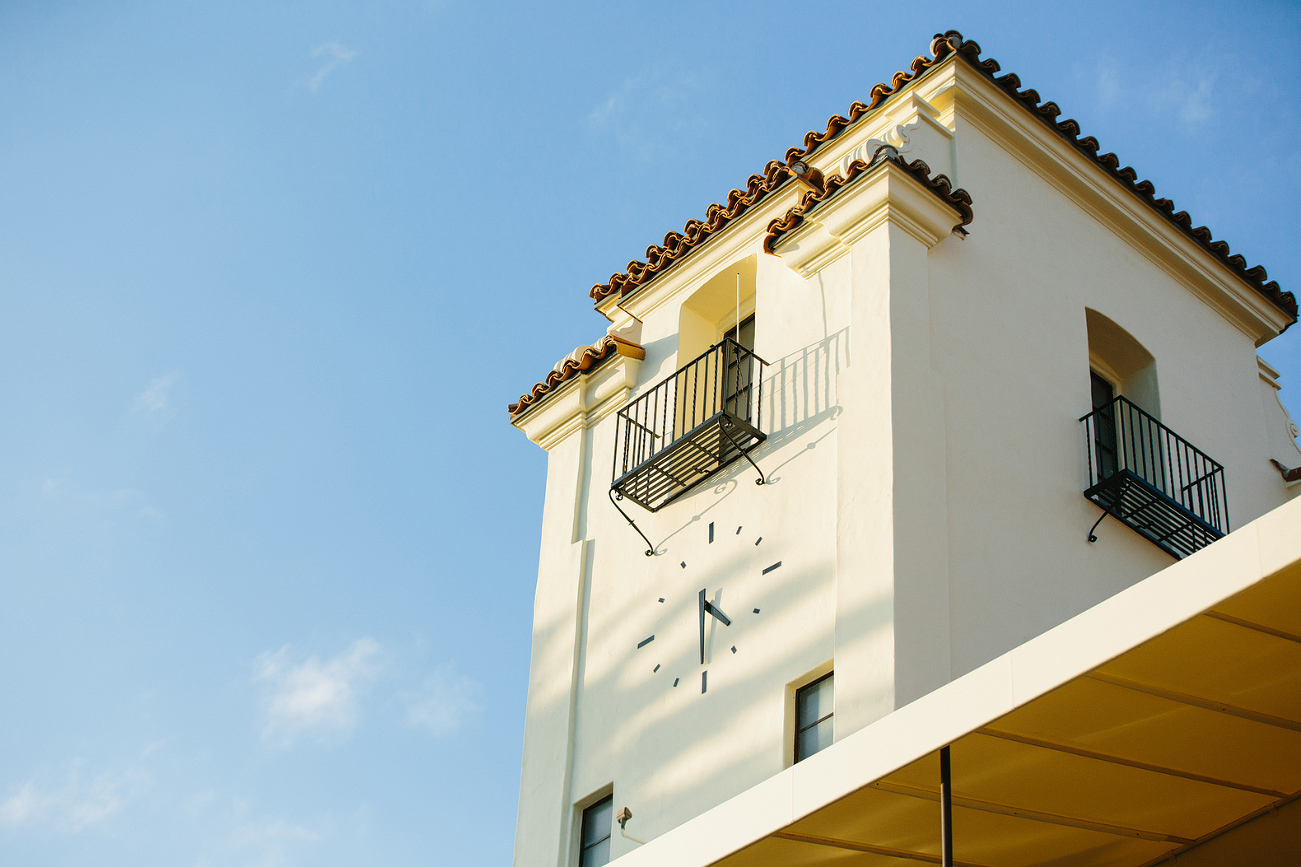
point(715, 309)
point(1118, 361)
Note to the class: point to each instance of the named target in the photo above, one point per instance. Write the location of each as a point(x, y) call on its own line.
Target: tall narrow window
point(597, 822)
point(739, 375)
point(1104, 439)
point(814, 706)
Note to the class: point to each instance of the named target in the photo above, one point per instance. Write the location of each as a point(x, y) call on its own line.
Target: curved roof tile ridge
point(940, 185)
point(581, 360)
point(678, 244)
point(1069, 129)
point(660, 257)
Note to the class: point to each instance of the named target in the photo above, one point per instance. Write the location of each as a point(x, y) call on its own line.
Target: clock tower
point(843, 443)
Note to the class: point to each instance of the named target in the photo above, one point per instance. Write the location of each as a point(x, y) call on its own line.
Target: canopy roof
point(1164, 719)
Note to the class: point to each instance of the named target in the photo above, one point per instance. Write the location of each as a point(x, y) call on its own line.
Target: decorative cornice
point(581, 360)
point(676, 245)
point(957, 199)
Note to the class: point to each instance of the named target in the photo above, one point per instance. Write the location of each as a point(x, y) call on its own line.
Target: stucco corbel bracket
point(888, 195)
point(581, 402)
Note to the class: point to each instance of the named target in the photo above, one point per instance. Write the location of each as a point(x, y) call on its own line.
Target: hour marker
point(738, 531)
point(772, 567)
point(734, 648)
point(711, 532)
point(675, 681)
point(661, 598)
point(757, 541)
point(704, 681)
point(756, 611)
point(644, 642)
point(656, 668)
point(684, 564)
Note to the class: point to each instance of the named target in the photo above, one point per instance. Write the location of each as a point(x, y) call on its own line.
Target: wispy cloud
point(73, 805)
point(276, 830)
point(445, 701)
point(652, 112)
point(315, 697)
point(1186, 91)
point(154, 399)
point(335, 56)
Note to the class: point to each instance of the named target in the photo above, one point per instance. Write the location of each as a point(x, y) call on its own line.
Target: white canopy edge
point(1243, 558)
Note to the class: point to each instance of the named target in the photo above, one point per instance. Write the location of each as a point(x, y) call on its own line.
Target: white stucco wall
point(925, 467)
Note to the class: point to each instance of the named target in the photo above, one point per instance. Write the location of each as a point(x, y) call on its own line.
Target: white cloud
point(75, 805)
point(1196, 105)
point(445, 701)
point(335, 55)
point(652, 113)
point(1170, 90)
point(155, 397)
point(316, 697)
point(275, 830)
point(24, 806)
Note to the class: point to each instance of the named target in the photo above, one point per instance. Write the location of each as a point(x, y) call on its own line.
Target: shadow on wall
point(800, 391)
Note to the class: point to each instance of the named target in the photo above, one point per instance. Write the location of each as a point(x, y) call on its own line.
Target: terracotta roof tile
point(581, 360)
point(957, 199)
point(676, 245)
point(1069, 129)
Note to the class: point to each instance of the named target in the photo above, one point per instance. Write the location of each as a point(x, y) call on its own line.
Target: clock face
point(712, 600)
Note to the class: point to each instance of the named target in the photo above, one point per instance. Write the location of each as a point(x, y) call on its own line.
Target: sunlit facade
point(942, 393)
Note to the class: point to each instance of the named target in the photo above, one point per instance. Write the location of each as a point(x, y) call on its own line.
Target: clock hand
point(703, 603)
point(707, 606)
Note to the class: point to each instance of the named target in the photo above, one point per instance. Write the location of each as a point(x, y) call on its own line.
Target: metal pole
point(946, 810)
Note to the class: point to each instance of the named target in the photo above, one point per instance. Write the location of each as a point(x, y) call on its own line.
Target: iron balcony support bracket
point(615, 496)
point(1093, 536)
point(727, 425)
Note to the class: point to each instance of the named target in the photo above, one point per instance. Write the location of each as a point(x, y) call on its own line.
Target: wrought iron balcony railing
point(1153, 480)
point(689, 426)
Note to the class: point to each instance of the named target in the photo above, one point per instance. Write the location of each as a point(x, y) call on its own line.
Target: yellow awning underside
point(1187, 743)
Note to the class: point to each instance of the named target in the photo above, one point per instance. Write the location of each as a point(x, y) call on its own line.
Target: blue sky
point(269, 275)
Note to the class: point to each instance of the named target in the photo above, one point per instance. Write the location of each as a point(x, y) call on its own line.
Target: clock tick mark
point(734, 648)
point(644, 642)
point(772, 567)
point(711, 532)
point(704, 681)
point(661, 598)
point(756, 611)
point(757, 541)
point(656, 668)
point(684, 564)
point(675, 681)
point(738, 531)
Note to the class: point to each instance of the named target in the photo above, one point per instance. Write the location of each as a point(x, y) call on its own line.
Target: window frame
point(594, 803)
point(799, 691)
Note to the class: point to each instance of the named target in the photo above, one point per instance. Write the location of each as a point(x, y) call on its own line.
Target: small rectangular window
point(598, 820)
point(814, 708)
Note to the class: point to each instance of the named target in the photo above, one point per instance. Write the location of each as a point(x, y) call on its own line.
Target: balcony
point(689, 426)
point(1153, 480)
